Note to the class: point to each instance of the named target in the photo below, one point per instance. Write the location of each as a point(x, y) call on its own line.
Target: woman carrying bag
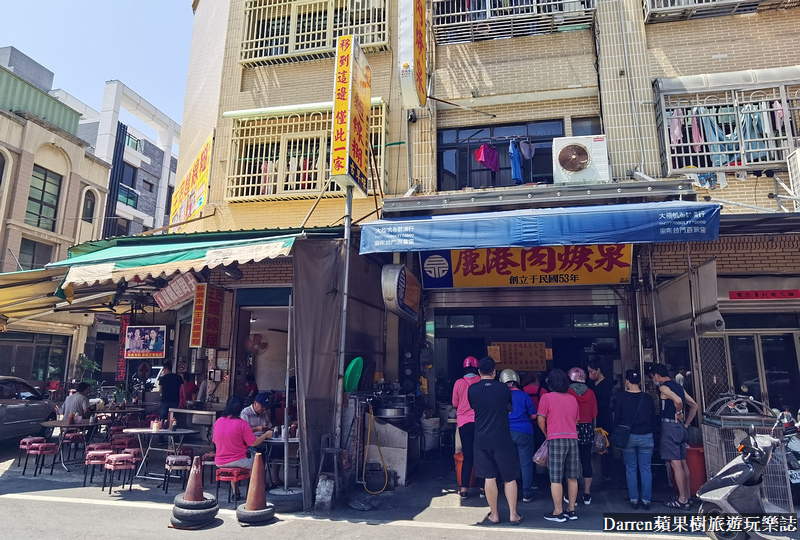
point(634, 418)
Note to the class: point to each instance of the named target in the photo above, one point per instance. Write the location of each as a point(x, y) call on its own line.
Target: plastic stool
point(40, 450)
point(118, 462)
point(234, 475)
point(176, 463)
point(25, 443)
point(94, 458)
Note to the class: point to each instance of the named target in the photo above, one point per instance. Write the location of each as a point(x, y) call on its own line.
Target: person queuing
point(188, 389)
point(558, 418)
point(603, 388)
point(519, 420)
point(251, 388)
point(634, 408)
point(587, 412)
point(674, 423)
point(465, 420)
point(495, 452)
point(170, 384)
point(534, 388)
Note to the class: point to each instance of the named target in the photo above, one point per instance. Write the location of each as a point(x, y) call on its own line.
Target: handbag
point(600, 445)
point(621, 432)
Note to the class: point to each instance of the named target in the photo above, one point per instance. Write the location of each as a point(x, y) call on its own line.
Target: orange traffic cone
point(194, 487)
point(256, 496)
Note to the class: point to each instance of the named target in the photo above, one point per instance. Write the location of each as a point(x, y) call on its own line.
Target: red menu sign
point(122, 362)
point(206, 317)
point(777, 294)
point(196, 338)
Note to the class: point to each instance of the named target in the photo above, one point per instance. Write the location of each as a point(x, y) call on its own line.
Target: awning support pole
point(695, 341)
point(656, 352)
point(638, 301)
point(289, 349)
point(348, 222)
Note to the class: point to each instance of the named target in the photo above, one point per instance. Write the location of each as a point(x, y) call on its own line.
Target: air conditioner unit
point(581, 160)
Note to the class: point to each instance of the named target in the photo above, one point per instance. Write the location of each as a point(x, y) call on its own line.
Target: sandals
point(676, 504)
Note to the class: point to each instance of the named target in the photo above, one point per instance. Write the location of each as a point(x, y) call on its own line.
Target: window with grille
point(288, 157)
point(33, 255)
point(279, 31)
point(714, 129)
point(43, 199)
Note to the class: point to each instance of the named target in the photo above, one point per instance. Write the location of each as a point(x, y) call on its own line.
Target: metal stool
point(336, 455)
point(72, 440)
point(176, 463)
point(119, 443)
point(135, 452)
point(25, 443)
point(208, 461)
point(40, 450)
point(118, 462)
point(94, 458)
point(98, 446)
point(234, 475)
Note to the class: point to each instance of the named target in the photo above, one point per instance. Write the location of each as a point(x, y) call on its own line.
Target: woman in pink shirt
point(466, 421)
point(233, 436)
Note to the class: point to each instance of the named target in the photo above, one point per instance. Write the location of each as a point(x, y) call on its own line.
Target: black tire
point(252, 517)
point(47, 432)
point(709, 509)
point(181, 524)
point(286, 502)
point(194, 516)
point(209, 501)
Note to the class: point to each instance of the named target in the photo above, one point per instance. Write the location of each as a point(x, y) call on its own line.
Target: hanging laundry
point(487, 156)
point(778, 115)
point(697, 135)
point(516, 163)
point(527, 149)
point(675, 124)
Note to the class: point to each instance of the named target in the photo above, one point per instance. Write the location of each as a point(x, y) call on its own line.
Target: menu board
point(521, 356)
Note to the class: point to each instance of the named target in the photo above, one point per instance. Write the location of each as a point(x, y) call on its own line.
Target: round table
point(171, 447)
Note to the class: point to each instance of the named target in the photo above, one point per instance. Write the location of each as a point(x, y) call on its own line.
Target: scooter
point(736, 488)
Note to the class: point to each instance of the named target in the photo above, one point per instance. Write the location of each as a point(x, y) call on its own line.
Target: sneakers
point(483, 494)
point(571, 515)
point(527, 497)
point(560, 518)
point(463, 495)
point(587, 499)
point(646, 505)
point(635, 505)
point(566, 500)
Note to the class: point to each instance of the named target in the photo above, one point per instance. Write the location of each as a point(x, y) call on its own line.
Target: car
point(23, 409)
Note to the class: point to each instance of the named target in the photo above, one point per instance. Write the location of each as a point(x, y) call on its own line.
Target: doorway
point(765, 366)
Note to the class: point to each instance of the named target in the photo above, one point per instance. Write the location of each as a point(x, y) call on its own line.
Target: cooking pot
point(390, 412)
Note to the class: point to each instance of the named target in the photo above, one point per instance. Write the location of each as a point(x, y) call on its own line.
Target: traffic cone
point(194, 487)
point(256, 496)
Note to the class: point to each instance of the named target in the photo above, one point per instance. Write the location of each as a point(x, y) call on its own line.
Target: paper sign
point(523, 356)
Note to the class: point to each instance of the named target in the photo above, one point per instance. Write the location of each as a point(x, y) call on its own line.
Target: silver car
point(23, 409)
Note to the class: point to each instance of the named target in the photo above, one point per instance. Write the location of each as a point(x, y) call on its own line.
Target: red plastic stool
point(98, 446)
point(40, 450)
point(135, 452)
point(72, 440)
point(234, 475)
point(121, 443)
point(176, 463)
point(118, 462)
point(25, 443)
point(94, 458)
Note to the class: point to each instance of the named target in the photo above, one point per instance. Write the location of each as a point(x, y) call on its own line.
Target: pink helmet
point(471, 361)
point(576, 374)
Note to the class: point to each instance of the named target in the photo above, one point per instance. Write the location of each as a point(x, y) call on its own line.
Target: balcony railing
point(133, 142)
point(729, 130)
point(283, 31)
point(461, 21)
point(288, 156)
point(128, 196)
point(657, 11)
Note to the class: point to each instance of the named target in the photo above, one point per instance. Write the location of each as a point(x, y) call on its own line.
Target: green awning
point(138, 261)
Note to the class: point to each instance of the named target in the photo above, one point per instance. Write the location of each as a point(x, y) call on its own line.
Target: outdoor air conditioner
point(581, 160)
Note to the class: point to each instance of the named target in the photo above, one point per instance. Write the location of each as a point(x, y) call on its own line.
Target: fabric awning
point(673, 221)
point(137, 262)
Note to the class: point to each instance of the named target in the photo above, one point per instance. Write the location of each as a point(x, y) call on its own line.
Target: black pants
point(467, 434)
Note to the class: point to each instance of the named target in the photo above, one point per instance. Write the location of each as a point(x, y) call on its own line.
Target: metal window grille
point(423, 151)
point(461, 21)
point(282, 31)
point(288, 157)
point(728, 130)
point(658, 11)
point(714, 377)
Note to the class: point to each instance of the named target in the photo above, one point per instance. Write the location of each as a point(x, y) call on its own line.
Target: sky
point(144, 44)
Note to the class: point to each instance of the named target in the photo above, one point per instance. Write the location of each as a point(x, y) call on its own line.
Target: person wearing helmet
point(521, 429)
point(587, 412)
point(465, 418)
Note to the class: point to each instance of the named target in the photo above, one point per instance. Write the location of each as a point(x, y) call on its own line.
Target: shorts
point(244, 463)
point(673, 441)
point(563, 459)
point(500, 463)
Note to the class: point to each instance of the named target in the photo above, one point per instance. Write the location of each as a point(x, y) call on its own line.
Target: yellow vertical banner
point(191, 193)
point(351, 108)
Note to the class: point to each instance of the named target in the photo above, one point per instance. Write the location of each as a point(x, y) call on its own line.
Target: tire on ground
point(286, 502)
point(195, 516)
point(181, 524)
point(255, 516)
point(209, 501)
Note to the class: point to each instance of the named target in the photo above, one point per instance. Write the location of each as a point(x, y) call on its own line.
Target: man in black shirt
point(495, 451)
point(170, 390)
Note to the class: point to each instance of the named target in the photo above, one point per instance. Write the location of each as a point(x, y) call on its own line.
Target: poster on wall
point(122, 362)
point(145, 341)
point(191, 193)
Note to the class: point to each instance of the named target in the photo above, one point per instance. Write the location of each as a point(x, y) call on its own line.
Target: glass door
point(745, 366)
point(782, 375)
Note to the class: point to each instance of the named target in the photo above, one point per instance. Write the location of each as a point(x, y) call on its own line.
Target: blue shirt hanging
point(516, 163)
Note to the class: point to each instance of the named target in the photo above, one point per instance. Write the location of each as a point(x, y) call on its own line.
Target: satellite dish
point(256, 344)
point(573, 158)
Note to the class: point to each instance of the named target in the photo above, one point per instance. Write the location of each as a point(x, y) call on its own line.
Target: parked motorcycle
point(791, 442)
point(736, 488)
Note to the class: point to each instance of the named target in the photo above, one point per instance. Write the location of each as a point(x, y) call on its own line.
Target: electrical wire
point(380, 453)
